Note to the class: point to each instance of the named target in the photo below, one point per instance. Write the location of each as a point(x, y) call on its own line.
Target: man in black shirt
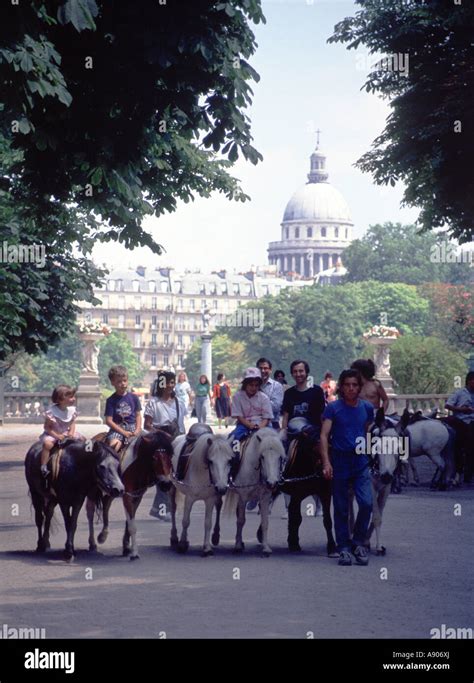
point(301, 400)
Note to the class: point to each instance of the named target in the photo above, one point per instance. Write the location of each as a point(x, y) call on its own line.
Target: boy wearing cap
point(250, 406)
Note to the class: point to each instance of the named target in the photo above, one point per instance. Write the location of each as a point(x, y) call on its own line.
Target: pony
point(259, 472)
point(83, 470)
point(145, 461)
point(302, 477)
point(426, 436)
point(206, 478)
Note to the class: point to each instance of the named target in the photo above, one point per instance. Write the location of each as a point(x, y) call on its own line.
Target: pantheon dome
point(316, 226)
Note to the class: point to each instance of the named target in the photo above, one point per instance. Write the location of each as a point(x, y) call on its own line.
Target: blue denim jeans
point(351, 468)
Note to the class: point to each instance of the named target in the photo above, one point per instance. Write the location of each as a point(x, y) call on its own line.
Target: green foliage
point(228, 356)
point(324, 325)
point(425, 365)
point(116, 349)
point(399, 253)
point(422, 144)
point(129, 100)
point(110, 112)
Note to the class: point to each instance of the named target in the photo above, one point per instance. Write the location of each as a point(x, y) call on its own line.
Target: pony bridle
point(158, 453)
point(259, 468)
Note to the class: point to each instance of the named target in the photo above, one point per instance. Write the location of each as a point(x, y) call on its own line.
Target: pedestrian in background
point(202, 401)
point(221, 394)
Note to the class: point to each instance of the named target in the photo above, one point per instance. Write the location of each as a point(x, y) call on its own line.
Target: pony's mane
point(201, 444)
point(268, 438)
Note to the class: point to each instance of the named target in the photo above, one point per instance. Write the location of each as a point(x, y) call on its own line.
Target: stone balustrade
point(22, 406)
point(424, 402)
point(29, 407)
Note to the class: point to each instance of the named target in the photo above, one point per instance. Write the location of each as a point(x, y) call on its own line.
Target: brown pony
point(146, 461)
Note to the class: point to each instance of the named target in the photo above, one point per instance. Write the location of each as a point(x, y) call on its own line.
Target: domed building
point(316, 226)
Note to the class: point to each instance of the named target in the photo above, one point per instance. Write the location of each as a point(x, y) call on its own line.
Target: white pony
point(259, 473)
point(207, 479)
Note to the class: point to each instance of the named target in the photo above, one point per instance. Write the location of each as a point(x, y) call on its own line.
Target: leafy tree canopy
point(424, 365)
point(110, 112)
point(427, 73)
point(393, 252)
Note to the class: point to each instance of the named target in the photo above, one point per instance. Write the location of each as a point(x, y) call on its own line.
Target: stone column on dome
point(293, 264)
point(320, 266)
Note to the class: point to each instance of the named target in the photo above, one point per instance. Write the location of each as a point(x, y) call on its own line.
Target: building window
point(164, 286)
point(119, 286)
point(165, 361)
point(323, 232)
point(203, 303)
point(297, 233)
point(153, 321)
point(105, 318)
point(166, 340)
point(181, 360)
point(287, 232)
point(153, 339)
point(121, 321)
point(192, 338)
point(309, 232)
point(180, 339)
point(192, 305)
point(347, 233)
point(138, 339)
point(336, 232)
point(138, 321)
point(151, 286)
point(215, 303)
point(224, 288)
point(153, 303)
point(180, 305)
point(136, 286)
point(153, 360)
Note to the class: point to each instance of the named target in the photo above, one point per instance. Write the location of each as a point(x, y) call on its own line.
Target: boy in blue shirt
point(347, 420)
point(122, 410)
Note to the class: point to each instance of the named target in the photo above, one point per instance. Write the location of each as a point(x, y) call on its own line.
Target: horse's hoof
point(134, 557)
point(102, 537)
point(41, 548)
point(174, 543)
point(126, 552)
point(259, 534)
point(215, 539)
point(381, 551)
point(92, 548)
point(294, 548)
point(183, 547)
point(68, 556)
point(266, 553)
point(207, 553)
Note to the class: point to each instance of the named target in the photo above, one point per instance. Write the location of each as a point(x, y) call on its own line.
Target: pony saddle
point(192, 436)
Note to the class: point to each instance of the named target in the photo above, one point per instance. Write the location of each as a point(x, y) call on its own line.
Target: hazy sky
point(305, 84)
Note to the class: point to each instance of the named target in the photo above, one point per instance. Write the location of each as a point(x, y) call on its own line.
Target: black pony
point(84, 469)
point(303, 477)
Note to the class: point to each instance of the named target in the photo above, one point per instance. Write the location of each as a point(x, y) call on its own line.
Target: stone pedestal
point(382, 361)
point(206, 360)
point(88, 392)
point(88, 399)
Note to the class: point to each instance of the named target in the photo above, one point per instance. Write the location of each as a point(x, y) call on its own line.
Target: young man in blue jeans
point(346, 420)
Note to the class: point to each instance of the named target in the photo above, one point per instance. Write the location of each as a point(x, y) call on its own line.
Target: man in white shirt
point(273, 389)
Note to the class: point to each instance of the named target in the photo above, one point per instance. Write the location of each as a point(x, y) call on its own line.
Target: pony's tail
point(231, 500)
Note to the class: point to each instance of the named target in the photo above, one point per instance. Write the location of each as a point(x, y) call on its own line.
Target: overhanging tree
point(428, 141)
point(114, 111)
